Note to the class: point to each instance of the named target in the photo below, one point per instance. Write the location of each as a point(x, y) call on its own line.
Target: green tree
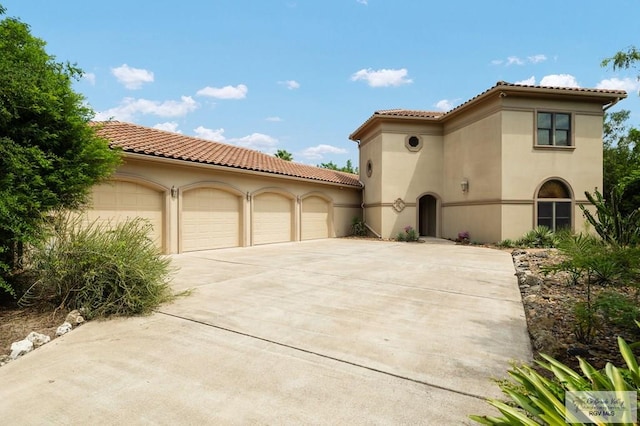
point(348, 168)
point(284, 154)
point(621, 159)
point(50, 156)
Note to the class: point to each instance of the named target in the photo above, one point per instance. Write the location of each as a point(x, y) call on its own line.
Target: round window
point(369, 168)
point(413, 143)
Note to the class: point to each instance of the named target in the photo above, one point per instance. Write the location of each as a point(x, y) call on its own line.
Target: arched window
point(554, 205)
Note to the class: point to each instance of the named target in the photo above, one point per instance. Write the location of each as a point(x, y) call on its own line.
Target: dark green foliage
point(618, 309)
point(539, 237)
point(621, 159)
point(284, 154)
point(100, 269)
point(49, 155)
point(358, 228)
point(348, 168)
point(613, 225)
point(537, 400)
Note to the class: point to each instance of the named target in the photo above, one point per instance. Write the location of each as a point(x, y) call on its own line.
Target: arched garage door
point(272, 218)
point(116, 201)
point(210, 219)
point(315, 218)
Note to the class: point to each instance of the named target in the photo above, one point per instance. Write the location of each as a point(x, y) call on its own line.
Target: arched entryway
point(428, 216)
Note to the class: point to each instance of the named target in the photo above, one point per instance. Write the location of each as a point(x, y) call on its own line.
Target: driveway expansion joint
point(318, 354)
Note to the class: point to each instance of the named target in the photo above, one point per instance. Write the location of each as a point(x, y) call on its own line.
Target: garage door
point(315, 218)
point(272, 219)
point(116, 201)
point(210, 219)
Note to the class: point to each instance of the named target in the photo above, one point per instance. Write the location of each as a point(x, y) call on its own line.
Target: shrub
point(617, 309)
point(412, 234)
point(506, 243)
point(535, 400)
point(463, 237)
point(100, 269)
point(358, 228)
point(540, 236)
point(401, 236)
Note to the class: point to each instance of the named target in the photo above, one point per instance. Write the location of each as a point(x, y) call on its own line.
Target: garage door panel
point(272, 219)
point(210, 219)
point(118, 201)
point(315, 218)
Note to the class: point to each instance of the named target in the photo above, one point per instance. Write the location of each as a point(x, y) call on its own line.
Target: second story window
point(554, 129)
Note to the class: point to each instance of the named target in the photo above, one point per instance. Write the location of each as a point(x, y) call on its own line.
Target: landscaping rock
point(74, 318)
point(38, 339)
point(20, 348)
point(64, 329)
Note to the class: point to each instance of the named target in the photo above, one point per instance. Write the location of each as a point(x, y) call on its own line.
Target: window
point(554, 205)
point(369, 168)
point(413, 143)
point(554, 129)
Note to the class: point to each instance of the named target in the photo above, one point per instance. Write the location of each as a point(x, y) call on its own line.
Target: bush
point(100, 269)
point(409, 234)
point(358, 228)
point(617, 309)
point(540, 236)
point(507, 243)
point(536, 400)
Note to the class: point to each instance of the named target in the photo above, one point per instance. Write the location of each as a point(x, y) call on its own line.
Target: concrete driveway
point(338, 331)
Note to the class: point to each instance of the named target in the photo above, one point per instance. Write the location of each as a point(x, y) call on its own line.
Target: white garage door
point(117, 201)
point(272, 219)
point(315, 218)
point(210, 219)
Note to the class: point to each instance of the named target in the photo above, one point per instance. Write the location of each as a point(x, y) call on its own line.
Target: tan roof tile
point(138, 139)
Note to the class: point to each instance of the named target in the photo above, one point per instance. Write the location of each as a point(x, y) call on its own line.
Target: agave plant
point(536, 400)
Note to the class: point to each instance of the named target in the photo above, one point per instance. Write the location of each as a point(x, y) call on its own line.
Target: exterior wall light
point(464, 185)
point(174, 192)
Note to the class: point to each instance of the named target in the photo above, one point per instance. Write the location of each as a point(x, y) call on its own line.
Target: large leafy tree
point(621, 159)
point(348, 168)
point(284, 154)
point(49, 154)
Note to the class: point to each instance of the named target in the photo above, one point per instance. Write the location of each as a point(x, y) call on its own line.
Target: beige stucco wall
point(182, 175)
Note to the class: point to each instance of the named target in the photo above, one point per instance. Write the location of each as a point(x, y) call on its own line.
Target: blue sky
point(301, 75)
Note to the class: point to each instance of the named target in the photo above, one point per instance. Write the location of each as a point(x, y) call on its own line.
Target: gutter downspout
point(364, 219)
point(611, 104)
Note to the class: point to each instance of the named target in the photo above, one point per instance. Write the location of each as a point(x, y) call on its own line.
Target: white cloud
point(132, 78)
point(258, 141)
point(559, 80)
point(514, 60)
point(290, 84)
point(226, 92)
point(90, 78)
point(531, 81)
point(383, 77)
point(317, 152)
point(628, 84)
point(535, 59)
point(129, 108)
point(365, 2)
point(169, 126)
point(216, 135)
point(444, 105)
point(274, 119)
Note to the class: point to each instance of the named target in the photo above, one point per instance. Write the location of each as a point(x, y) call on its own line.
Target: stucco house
point(496, 166)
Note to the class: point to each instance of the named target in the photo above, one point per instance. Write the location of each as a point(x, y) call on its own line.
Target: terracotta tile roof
point(602, 95)
point(409, 113)
point(137, 139)
point(503, 85)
